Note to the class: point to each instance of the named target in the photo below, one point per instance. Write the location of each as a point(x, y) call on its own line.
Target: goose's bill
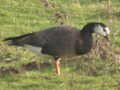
point(107, 38)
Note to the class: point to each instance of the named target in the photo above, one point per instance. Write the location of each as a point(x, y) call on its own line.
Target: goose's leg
point(57, 65)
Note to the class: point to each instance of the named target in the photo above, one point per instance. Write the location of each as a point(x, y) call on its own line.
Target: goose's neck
point(85, 43)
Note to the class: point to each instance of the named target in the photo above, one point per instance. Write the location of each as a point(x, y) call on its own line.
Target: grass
point(98, 70)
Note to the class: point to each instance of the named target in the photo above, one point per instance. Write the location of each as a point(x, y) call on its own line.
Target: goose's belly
point(37, 50)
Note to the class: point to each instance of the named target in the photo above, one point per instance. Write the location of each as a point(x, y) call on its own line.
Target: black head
point(98, 28)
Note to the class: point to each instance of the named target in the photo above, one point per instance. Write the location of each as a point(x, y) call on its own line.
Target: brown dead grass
point(11, 70)
point(35, 66)
point(24, 67)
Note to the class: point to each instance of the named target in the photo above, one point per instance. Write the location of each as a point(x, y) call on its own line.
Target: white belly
point(37, 50)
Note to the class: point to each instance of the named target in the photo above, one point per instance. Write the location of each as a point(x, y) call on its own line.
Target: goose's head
point(101, 30)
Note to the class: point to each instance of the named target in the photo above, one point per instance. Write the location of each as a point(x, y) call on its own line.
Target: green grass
point(23, 82)
point(19, 17)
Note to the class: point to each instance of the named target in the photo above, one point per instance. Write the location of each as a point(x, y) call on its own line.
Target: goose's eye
point(104, 30)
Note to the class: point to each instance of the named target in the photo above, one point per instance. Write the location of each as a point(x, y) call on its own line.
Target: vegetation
point(21, 69)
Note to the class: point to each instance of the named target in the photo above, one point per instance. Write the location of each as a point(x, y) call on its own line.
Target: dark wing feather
point(18, 41)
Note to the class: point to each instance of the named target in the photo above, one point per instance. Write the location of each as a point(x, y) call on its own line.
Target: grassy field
point(23, 70)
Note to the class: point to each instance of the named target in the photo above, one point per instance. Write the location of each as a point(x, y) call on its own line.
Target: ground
point(20, 69)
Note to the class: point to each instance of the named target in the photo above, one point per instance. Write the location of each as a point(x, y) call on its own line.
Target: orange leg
point(57, 65)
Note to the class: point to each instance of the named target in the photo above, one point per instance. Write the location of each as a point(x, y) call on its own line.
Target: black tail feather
point(18, 41)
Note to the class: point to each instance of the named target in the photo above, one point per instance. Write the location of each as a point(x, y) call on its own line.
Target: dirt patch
point(29, 66)
point(35, 66)
point(11, 70)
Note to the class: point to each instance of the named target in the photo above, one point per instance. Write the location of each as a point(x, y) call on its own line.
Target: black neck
point(87, 41)
point(84, 45)
point(88, 29)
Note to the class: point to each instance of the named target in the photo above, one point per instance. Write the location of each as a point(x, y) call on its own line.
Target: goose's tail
point(18, 41)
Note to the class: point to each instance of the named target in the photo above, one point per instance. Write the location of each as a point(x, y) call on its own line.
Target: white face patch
point(107, 30)
point(101, 30)
point(37, 50)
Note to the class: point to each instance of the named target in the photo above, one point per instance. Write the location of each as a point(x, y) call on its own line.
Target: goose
point(60, 41)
